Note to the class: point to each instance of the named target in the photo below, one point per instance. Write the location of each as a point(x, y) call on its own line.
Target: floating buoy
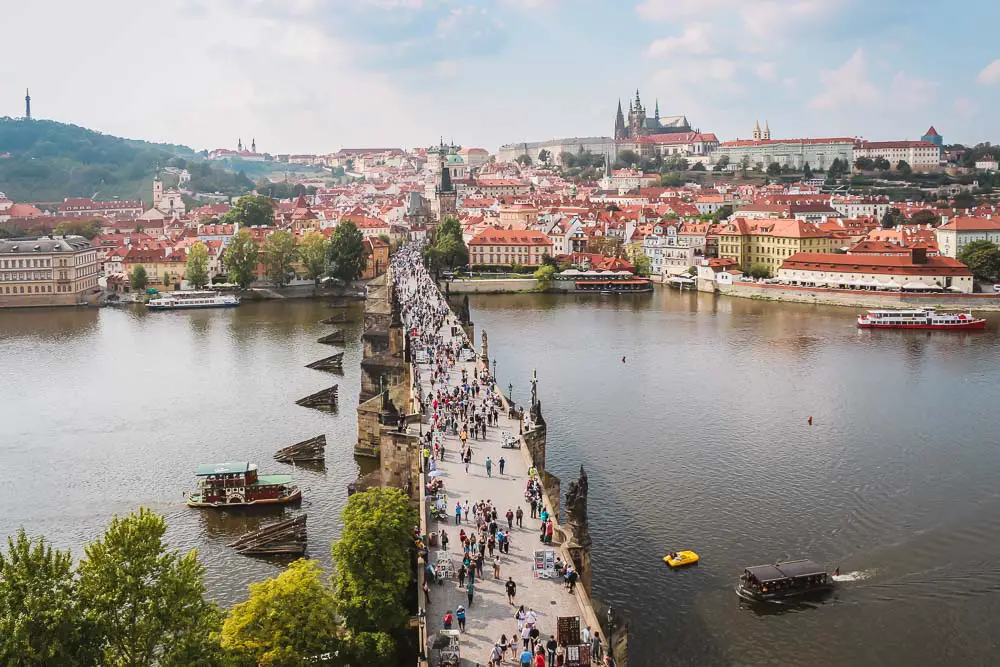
point(810, 420)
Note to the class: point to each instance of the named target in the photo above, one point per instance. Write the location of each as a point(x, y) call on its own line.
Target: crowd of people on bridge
point(456, 405)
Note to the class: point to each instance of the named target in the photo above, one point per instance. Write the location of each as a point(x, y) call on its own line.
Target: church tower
point(253, 145)
point(620, 131)
point(27, 104)
point(239, 144)
point(756, 130)
point(636, 118)
point(157, 192)
point(767, 131)
point(656, 114)
point(445, 197)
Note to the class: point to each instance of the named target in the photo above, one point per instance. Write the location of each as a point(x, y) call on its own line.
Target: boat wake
point(857, 575)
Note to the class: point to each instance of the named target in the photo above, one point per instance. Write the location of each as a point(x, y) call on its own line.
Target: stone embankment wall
point(492, 286)
point(861, 298)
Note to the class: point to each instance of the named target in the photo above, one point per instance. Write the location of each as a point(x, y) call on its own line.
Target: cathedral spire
point(656, 113)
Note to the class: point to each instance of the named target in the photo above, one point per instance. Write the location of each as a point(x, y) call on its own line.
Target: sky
point(313, 76)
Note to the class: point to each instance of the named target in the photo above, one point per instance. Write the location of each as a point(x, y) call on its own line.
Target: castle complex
point(640, 126)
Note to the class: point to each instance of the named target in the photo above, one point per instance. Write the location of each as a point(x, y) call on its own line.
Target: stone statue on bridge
point(576, 509)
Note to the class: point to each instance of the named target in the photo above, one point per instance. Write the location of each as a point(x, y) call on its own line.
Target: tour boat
point(237, 484)
point(773, 583)
point(919, 318)
point(179, 300)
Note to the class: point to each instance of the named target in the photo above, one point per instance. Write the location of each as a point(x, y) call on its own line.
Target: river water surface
point(699, 440)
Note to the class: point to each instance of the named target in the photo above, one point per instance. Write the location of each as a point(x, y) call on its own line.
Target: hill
point(50, 161)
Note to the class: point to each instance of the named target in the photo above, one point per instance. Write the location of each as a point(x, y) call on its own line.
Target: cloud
point(760, 18)
point(847, 86)
point(693, 40)
point(965, 107)
point(912, 91)
point(990, 74)
point(766, 71)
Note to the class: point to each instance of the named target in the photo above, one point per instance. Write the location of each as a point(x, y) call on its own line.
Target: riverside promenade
point(490, 614)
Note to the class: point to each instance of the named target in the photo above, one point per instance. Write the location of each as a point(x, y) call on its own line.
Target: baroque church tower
point(620, 131)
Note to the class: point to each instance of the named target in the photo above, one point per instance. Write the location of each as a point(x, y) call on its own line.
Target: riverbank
point(491, 286)
point(860, 298)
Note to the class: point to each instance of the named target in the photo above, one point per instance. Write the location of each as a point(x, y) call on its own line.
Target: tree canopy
point(145, 602)
point(346, 252)
point(197, 265)
point(287, 620)
point(251, 211)
point(41, 623)
point(241, 259)
point(982, 258)
point(449, 249)
point(544, 275)
point(279, 251)
point(312, 254)
point(371, 592)
point(139, 278)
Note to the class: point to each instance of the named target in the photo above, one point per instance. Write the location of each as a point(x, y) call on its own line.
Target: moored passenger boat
point(237, 484)
point(773, 583)
point(181, 300)
point(919, 318)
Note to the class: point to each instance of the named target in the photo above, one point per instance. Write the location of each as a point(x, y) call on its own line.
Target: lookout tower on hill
point(27, 104)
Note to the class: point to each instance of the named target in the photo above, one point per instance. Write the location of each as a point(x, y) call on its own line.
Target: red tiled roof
point(886, 264)
point(771, 142)
point(971, 225)
point(510, 237)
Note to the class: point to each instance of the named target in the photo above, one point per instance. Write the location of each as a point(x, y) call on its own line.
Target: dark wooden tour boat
point(237, 484)
point(773, 583)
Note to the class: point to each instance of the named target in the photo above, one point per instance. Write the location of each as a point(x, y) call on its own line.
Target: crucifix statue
point(534, 387)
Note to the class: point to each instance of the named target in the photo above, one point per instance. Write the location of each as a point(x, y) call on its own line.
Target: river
point(699, 440)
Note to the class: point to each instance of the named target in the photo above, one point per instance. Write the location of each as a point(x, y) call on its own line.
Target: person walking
point(427, 592)
point(525, 657)
point(458, 513)
point(510, 518)
point(550, 649)
point(496, 567)
point(496, 656)
point(511, 592)
point(501, 462)
point(461, 575)
point(444, 540)
point(460, 616)
point(534, 507)
point(489, 467)
point(470, 590)
point(520, 615)
point(519, 515)
point(596, 648)
point(447, 619)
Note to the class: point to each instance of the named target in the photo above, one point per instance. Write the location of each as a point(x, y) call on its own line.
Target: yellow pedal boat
point(680, 558)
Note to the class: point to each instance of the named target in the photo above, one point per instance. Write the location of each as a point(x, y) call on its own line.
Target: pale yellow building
point(519, 215)
point(770, 242)
point(47, 271)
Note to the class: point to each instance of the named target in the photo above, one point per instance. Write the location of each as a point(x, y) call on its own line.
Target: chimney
point(918, 255)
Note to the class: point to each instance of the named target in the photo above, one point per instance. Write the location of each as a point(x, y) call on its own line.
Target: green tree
point(88, 229)
point(964, 200)
point(166, 279)
point(287, 620)
point(744, 165)
point(925, 217)
point(146, 603)
point(698, 166)
point(721, 163)
point(549, 260)
point(279, 251)
point(628, 158)
point(982, 258)
point(807, 172)
point(241, 259)
point(760, 271)
point(773, 169)
point(312, 254)
point(197, 265)
point(346, 252)
point(544, 276)
point(251, 211)
point(544, 156)
point(643, 265)
point(451, 249)
point(139, 278)
point(524, 160)
point(882, 164)
point(904, 167)
point(892, 218)
point(864, 164)
point(722, 213)
point(41, 624)
point(371, 592)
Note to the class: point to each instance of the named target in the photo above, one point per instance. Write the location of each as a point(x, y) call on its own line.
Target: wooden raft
point(325, 399)
point(331, 363)
point(337, 337)
point(313, 449)
point(283, 537)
